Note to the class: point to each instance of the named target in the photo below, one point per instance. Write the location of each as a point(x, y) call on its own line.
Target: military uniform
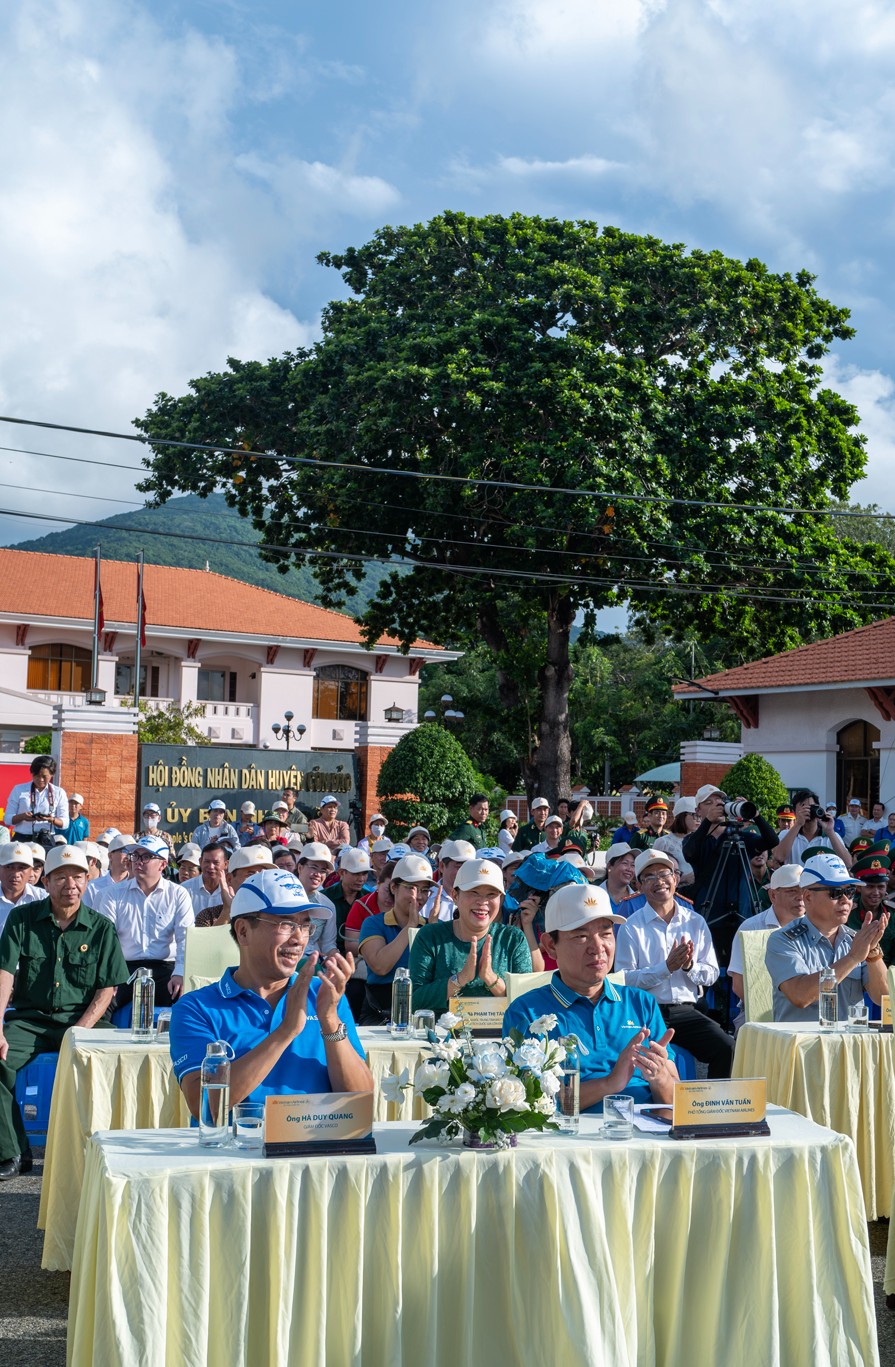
point(475, 834)
point(527, 837)
point(59, 973)
point(874, 868)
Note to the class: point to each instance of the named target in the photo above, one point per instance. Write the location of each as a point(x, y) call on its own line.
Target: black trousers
point(702, 1036)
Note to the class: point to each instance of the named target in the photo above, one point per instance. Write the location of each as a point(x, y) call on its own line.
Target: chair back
point(758, 990)
point(209, 951)
point(520, 983)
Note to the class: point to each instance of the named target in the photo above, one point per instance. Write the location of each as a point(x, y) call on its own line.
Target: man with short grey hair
point(787, 904)
point(16, 887)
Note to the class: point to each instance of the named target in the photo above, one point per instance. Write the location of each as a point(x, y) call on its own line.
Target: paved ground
point(34, 1304)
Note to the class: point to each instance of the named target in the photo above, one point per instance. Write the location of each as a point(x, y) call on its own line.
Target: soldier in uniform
point(874, 872)
point(655, 817)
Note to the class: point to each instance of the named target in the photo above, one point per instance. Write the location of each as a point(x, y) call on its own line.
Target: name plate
point(716, 1108)
point(483, 1015)
point(324, 1122)
point(886, 1016)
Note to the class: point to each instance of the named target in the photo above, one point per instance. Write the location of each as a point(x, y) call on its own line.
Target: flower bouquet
point(488, 1091)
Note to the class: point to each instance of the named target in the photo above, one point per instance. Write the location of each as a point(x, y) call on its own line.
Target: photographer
point(813, 826)
point(38, 811)
point(726, 899)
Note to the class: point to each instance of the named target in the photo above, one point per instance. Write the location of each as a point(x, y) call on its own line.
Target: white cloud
point(573, 166)
point(873, 394)
point(314, 190)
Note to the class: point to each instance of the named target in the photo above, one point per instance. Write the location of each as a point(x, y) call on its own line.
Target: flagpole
point(140, 630)
point(94, 674)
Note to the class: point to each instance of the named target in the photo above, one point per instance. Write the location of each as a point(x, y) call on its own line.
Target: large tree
point(511, 407)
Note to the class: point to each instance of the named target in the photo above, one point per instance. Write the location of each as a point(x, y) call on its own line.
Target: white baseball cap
point(354, 861)
point(94, 851)
point(274, 892)
point(416, 830)
point(66, 857)
point(16, 852)
point(251, 857)
point(330, 797)
point(109, 834)
point(76, 797)
point(413, 868)
point(577, 860)
point(787, 876)
point(684, 804)
point(854, 802)
point(154, 844)
point(38, 853)
point(280, 806)
point(381, 846)
point(554, 821)
point(479, 873)
point(629, 819)
point(617, 851)
point(191, 853)
point(217, 805)
point(706, 791)
point(540, 802)
point(123, 842)
point(318, 852)
point(575, 905)
point(249, 808)
point(152, 807)
point(458, 850)
point(514, 857)
point(377, 816)
point(648, 857)
point(295, 842)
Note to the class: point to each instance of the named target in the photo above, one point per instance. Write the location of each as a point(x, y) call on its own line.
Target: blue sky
point(170, 171)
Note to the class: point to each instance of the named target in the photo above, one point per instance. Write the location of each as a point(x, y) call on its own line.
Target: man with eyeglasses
point(289, 1027)
point(151, 915)
point(796, 955)
point(665, 948)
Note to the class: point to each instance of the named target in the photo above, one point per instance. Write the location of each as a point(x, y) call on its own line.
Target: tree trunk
point(554, 754)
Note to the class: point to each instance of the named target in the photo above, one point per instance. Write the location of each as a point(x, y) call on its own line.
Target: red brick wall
point(370, 759)
point(104, 769)
point(693, 776)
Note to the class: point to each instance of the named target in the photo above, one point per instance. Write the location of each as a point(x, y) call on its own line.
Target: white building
point(823, 714)
point(246, 655)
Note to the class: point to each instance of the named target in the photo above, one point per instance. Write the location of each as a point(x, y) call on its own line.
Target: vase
point(473, 1140)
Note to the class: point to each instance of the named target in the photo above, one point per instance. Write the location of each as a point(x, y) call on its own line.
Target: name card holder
point(483, 1015)
point(319, 1123)
point(885, 1025)
point(719, 1109)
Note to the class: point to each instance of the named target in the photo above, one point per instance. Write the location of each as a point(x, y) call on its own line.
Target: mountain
point(189, 532)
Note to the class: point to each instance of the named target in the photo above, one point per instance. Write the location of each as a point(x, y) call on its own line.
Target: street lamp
point(394, 713)
point(448, 712)
point(287, 730)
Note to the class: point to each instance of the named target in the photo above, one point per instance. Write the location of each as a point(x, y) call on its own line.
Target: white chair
point(209, 951)
point(758, 990)
point(520, 983)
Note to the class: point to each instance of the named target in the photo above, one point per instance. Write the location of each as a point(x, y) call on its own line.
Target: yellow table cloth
point(107, 1081)
point(838, 1078)
point(565, 1250)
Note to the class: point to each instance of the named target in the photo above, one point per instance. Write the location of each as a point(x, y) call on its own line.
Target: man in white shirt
point(119, 853)
point(440, 905)
point(854, 820)
point(666, 948)
point(205, 890)
point(16, 888)
point(808, 831)
point(38, 810)
point(151, 915)
point(787, 904)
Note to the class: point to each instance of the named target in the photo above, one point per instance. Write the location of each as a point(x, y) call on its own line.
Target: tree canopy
point(540, 418)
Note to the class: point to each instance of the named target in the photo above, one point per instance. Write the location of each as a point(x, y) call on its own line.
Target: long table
point(563, 1250)
point(107, 1081)
point(841, 1079)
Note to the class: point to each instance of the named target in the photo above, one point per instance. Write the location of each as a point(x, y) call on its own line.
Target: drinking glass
point(858, 1016)
point(248, 1125)
point(618, 1117)
point(423, 1022)
point(163, 1026)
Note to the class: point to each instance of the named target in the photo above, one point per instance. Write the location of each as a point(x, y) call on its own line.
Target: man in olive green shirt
point(473, 829)
point(60, 963)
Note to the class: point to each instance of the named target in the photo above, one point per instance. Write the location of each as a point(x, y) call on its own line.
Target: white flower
point(488, 1064)
point(507, 1094)
point(465, 1093)
point(545, 1105)
point(549, 1084)
point(543, 1025)
point(448, 1050)
point(431, 1073)
point(393, 1087)
point(451, 1103)
point(449, 1020)
point(531, 1054)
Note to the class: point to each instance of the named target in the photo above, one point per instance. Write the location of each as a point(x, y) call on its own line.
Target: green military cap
point(871, 868)
point(882, 847)
point(861, 844)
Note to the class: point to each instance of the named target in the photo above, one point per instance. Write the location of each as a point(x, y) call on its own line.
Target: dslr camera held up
point(740, 810)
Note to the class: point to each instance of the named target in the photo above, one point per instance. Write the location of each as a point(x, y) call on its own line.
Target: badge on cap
point(83, 949)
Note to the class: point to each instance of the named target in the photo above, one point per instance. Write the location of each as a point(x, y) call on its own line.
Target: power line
point(541, 489)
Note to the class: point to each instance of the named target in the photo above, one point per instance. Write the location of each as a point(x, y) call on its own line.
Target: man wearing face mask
point(151, 824)
point(378, 824)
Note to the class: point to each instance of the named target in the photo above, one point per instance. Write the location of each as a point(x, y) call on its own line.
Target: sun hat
point(251, 857)
point(575, 904)
point(274, 892)
point(66, 857)
point(479, 873)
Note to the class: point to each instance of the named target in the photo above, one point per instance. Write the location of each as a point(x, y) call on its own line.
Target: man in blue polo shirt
point(621, 1030)
point(290, 1028)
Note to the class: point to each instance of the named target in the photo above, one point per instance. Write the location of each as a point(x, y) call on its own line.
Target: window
point(124, 681)
point(216, 685)
point(340, 693)
point(857, 765)
point(62, 667)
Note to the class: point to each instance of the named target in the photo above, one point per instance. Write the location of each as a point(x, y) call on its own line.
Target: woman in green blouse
point(469, 955)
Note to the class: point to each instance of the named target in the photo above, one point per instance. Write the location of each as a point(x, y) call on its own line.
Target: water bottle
point(568, 1097)
point(828, 1001)
point(143, 1008)
point(214, 1097)
point(402, 993)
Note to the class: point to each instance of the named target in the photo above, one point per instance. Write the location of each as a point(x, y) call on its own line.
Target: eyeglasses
point(666, 876)
point(140, 856)
point(282, 929)
point(846, 895)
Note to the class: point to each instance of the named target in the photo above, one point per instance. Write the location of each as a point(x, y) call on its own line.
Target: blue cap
point(826, 870)
point(274, 892)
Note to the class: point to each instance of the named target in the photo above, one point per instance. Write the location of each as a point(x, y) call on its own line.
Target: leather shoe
point(16, 1167)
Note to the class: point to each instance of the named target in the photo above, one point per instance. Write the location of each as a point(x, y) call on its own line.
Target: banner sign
point(729, 1104)
point(182, 780)
point(483, 1015)
point(325, 1122)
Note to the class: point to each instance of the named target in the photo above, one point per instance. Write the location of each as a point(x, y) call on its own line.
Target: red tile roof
point(864, 655)
point(33, 584)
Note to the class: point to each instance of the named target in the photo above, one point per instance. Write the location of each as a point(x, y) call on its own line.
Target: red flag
point(98, 593)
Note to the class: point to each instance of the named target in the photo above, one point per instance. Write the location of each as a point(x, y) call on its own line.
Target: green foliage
point(871, 526)
point(171, 725)
point(503, 356)
point(754, 778)
point(38, 745)
point(427, 780)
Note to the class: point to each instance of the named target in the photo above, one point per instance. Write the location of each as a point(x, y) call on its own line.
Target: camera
point(816, 813)
point(740, 810)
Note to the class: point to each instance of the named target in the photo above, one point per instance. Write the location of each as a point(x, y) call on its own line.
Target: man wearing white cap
point(666, 949)
point(119, 856)
point(16, 887)
point(151, 824)
point(787, 904)
point(289, 1027)
point(315, 864)
point(151, 915)
point(532, 833)
point(452, 856)
point(354, 868)
point(796, 955)
point(78, 827)
point(69, 964)
point(624, 1038)
point(216, 828)
point(854, 821)
point(377, 825)
point(327, 829)
point(248, 828)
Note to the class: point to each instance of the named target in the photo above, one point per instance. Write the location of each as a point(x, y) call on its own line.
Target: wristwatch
point(872, 958)
point(336, 1036)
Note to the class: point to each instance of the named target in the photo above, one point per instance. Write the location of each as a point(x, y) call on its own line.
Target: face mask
point(150, 823)
point(377, 828)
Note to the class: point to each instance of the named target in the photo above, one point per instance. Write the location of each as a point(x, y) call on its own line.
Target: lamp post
point(394, 713)
point(448, 712)
point(286, 731)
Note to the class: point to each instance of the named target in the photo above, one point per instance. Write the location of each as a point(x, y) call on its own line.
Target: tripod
point(722, 914)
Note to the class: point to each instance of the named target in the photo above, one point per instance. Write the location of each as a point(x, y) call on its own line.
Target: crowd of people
point(644, 945)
